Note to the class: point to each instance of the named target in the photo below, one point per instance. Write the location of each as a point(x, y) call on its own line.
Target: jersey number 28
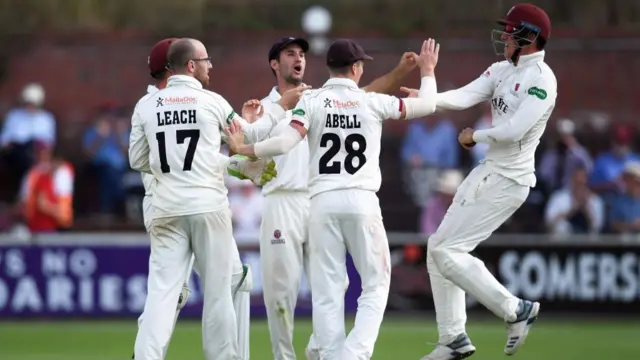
point(181, 135)
point(332, 141)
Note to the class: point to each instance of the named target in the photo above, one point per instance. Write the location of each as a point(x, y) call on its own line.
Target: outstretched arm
point(477, 91)
point(389, 82)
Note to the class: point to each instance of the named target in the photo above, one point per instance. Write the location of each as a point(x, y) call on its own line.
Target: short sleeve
point(300, 114)
point(63, 181)
point(385, 106)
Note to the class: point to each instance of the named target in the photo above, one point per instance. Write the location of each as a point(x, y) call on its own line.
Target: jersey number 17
point(181, 135)
point(332, 141)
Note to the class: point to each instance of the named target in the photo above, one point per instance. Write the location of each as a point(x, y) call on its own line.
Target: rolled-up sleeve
point(138, 146)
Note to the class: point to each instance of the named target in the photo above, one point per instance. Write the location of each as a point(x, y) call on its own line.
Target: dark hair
point(540, 43)
point(180, 53)
point(159, 75)
point(277, 59)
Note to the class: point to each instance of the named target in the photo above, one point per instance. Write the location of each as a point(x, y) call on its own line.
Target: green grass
point(399, 340)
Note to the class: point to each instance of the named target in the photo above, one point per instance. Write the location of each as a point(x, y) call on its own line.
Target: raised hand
point(252, 110)
point(428, 58)
point(235, 136)
point(291, 97)
point(408, 62)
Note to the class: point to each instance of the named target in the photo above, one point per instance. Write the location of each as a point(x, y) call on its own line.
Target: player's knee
point(440, 256)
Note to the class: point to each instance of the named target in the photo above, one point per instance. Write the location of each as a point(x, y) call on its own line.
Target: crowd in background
point(580, 189)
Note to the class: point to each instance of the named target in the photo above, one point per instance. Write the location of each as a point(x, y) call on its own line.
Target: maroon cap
point(281, 44)
point(344, 52)
point(158, 56)
point(530, 17)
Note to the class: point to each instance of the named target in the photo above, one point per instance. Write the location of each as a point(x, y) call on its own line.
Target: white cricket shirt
point(522, 99)
point(344, 127)
point(176, 135)
point(292, 167)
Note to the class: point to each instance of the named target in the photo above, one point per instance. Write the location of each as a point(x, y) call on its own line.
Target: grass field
point(399, 340)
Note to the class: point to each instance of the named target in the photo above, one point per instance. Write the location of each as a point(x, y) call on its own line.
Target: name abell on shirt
point(572, 275)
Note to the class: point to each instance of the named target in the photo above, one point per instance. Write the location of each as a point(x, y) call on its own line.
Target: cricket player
point(284, 246)
point(523, 92)
point(241, 281)
point(176, 135)
point(344, 126)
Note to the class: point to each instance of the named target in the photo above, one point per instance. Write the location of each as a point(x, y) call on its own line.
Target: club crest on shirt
point(277, 238)
point(514, 90)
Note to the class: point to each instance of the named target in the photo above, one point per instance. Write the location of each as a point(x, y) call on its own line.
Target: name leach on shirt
point(176, 136)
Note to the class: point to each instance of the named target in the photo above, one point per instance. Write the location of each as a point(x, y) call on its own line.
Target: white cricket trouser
point(341, 221)
point(173, 240)
point(482, 203)
point(241, 285)
point(284, 257)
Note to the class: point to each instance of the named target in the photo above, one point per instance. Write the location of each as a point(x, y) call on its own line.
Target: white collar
point(184, 80)
point(531, 59)
point(274, 95)
point(341, 81)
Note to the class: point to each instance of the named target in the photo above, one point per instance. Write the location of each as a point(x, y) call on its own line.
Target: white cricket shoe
point(460, 348)
point(517, 331)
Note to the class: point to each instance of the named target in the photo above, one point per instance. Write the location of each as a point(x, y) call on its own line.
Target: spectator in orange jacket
point(47, 192)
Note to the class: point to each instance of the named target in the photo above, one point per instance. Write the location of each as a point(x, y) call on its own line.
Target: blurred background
point(71, 71)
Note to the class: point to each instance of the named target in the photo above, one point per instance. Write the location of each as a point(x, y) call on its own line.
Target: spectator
point(625, 209)
point(605, 178)
point(559, 164)
point(479, 151)
point(430, 145)
point(246, 204)
point(431, 142)
point(47, 192)
point(23, 126)
point(575, 209)
point(436, 208)
point(106, 143)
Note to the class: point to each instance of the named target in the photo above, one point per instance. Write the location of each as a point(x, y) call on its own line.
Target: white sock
point(449, 301)
point(472, 276)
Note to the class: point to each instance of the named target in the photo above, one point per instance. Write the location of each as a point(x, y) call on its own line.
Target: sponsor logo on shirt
point(230, 117)
point(298, 112)
point(345, 104)
point(499, 105)
point(329, 103)
point(180, 100)
point(537, 92)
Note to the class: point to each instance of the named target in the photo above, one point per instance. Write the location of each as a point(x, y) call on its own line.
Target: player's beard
point(203, 77)
point(290, 79)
